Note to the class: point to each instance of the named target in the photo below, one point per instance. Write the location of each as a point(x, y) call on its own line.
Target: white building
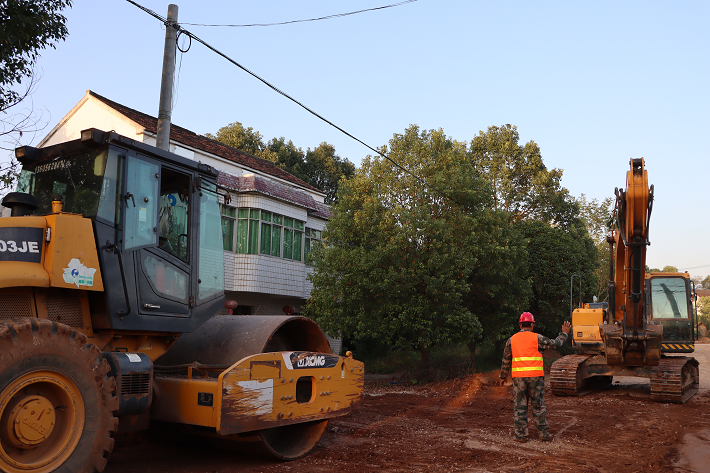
point(270, 217)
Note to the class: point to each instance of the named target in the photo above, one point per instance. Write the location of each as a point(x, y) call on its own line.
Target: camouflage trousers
point(532, 389)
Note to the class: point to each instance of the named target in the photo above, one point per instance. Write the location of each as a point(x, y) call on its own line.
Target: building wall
point(93, 114)
point(265, 274)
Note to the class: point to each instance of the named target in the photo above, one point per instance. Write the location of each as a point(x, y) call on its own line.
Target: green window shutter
point(306, 250)
point(297, 245)
point(254, 213)
point(253, 237)
point(278, 219)
point(265, 238)
point(243, 213)
point(288, 222)
point(265, 216)
point(298, 225)
point(242, 236)
point(288, 243)
point(275, 241)
point(227, 233)
point(228, 211)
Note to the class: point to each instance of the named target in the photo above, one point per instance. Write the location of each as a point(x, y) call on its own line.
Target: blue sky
point(593, 83)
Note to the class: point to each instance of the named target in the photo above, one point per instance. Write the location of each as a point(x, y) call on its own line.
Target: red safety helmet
point(526, 317)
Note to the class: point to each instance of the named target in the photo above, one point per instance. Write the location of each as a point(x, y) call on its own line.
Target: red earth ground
point(465, 425)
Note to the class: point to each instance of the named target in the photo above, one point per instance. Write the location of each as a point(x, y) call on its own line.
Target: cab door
point(157, 231)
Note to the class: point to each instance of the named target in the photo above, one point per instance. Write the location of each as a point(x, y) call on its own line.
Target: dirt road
point(466, 426)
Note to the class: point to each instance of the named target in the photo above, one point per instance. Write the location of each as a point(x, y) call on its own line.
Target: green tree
point(554, 255)
point(704, 311)
point(288, 157)
point(596, 217)
point(321, 167)
point(522, 185)
point(244, 139)
point(706, 283)
point(669, 269)
point(28, 27)
point(409, 265)
point(324, 170)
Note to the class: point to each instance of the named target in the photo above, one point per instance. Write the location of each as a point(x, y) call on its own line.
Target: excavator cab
point(669, 303)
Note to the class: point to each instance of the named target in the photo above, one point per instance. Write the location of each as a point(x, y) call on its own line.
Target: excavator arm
point(629, 338)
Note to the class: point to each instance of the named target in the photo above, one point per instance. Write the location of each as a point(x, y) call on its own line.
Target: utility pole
point(166, 83)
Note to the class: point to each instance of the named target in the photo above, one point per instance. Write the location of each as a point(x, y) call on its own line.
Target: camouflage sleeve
point(507, 360)
point(543, 343)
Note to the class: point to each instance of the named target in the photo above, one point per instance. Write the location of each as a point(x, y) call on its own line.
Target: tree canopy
point(666, 269)
point(321, 167)
point(704, 311)
point(454, 254)
point(28, 26)
point(522, 185)
point(237, 136)
point(596, 216)
point(554, 255)
point(409, 264)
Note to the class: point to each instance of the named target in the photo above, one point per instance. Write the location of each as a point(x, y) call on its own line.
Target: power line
point(697, 267)
point(328, 17)
point(276, 89)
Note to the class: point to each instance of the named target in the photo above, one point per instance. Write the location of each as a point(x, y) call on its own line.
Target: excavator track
point(675, 379)
point(565, 379)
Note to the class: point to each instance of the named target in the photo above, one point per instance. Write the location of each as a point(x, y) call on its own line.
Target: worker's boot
point(520, 439)
point(545, 437)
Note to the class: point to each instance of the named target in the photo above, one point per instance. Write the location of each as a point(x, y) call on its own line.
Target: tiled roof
point(261, 185)
point(322, 212)
point(192, 139)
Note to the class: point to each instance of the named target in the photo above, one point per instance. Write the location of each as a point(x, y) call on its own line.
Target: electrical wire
point(328, 17)
point(696, 267)
point(276, 89)
point(176, 86)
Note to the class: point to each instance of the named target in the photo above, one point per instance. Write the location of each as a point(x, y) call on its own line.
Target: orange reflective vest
point(527, 360)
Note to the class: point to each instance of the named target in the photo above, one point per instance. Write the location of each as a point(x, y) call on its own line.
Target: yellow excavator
point(647, 322)
point(111, 273)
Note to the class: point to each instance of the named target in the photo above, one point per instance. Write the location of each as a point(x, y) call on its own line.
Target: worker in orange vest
point(523, 352)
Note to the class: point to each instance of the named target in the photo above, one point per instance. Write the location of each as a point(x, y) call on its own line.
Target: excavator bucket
point(625, 349)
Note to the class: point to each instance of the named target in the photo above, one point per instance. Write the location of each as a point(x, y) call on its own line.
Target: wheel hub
point(41, 421)
point(32, 421)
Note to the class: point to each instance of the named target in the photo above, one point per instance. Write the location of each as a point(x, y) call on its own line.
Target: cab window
point(669, 298)
point(141, 203)
point(173, 219)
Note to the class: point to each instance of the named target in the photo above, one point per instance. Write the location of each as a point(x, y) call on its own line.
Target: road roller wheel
point(56, 401)
point(225, 339)
point(290, 442)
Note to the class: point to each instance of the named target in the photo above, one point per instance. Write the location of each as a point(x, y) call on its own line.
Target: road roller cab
point(112, 273)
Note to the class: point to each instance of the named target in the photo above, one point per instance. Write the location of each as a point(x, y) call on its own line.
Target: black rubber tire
point(29, 345)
